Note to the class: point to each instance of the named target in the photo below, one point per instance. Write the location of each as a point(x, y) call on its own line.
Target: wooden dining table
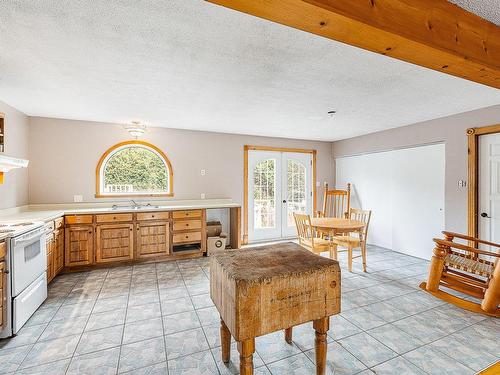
point(333, 226)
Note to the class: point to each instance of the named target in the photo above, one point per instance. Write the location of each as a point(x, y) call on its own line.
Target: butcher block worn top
point(265, 289)
point(279, 260)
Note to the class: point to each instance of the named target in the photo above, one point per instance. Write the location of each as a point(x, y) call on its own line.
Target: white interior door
point(489, 187)
point(297, 189)
point(279, 183)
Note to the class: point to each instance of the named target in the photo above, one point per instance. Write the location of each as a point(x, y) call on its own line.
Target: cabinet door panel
point(59, 251)
point(50, 258)
point(115, 242)
point(79, 245)
point(153, 239)
point(3, 295)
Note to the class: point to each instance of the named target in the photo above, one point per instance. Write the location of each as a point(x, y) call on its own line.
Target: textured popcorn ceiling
point(487, 9)
point(190, 64)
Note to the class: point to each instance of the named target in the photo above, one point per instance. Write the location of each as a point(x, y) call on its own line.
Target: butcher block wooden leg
point(321, 327)
point(246, 349)
point(288, 335)
point(225, 339)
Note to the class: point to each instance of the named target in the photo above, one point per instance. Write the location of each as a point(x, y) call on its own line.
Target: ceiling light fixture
point(136, 129)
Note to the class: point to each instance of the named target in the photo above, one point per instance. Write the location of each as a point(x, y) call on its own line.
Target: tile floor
point(159, 319)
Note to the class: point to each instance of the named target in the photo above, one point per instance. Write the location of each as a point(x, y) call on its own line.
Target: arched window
point(134, 169)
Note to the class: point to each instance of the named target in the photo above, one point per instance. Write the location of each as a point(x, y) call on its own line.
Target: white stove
point(26, 266)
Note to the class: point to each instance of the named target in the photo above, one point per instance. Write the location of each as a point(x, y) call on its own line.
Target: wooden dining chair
point(336, 203)
point(308, 237)
point(351, 241)
point(460, 265)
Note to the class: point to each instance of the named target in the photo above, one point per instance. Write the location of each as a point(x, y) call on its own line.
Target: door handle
point(484, 214)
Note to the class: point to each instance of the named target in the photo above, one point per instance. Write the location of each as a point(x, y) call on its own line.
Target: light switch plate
point(77, 198)
point(202, 195)
point(203, 172)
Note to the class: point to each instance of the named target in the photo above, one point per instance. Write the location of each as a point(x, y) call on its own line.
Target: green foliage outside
point(139, 167)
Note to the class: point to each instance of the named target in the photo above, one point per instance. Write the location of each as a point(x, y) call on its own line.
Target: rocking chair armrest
point(469, 238)
point(450, 244)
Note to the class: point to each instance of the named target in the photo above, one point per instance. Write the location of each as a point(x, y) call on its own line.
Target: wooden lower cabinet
point(153, 239)
point(115, 242)
point(58, 251)
point(50, 244)
point(3, 294)
point(79, 245)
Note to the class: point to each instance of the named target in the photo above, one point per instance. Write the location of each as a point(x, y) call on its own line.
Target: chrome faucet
point(135, 204)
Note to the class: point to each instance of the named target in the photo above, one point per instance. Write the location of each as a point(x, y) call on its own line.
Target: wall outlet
point(202, 195)
point(77, 198)
point(318, 184)
point(462, 183)
point(203, 172)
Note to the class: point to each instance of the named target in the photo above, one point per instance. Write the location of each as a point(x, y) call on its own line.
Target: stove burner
point(21, 224)
point(6, 230)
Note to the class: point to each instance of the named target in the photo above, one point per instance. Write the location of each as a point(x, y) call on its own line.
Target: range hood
point(8, 163)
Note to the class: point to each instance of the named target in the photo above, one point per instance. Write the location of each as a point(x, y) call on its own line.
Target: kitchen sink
point(135, 208)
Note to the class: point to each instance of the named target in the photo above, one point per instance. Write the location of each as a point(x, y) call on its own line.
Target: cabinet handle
point(187, 224)
point(187, 236)
point(152, 215)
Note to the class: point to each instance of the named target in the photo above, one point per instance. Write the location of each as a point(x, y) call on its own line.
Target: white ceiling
point(487, 9)
point(193, 65)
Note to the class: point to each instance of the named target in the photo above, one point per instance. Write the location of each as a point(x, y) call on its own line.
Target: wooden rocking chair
point(468, 270)
point(336, 203)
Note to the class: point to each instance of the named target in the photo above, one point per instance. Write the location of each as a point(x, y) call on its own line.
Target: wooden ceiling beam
point(431, 33)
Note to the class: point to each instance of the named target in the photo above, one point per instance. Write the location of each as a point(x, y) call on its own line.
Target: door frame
point(473, 135)
point(247, 148)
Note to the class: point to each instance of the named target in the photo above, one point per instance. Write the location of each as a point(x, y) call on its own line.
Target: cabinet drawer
point(186, 214)
point(111, 218)
point(187, 237)
point(3, 249)
point(153, 216)
point(187, 225)
point(78, 219)
point(58, 223)
point(49, 226)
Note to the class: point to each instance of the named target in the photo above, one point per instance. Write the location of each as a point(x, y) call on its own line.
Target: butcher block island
point(80, 238)
point(275, 287)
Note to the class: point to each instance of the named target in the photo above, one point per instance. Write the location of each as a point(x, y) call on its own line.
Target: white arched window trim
point(100, 193)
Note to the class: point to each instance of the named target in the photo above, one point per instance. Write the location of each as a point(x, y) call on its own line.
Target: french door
point(279, 184)
point(489, 187)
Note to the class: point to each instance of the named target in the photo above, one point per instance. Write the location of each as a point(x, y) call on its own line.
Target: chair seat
point(318, 242)
point(340, 240)
point(468, 265)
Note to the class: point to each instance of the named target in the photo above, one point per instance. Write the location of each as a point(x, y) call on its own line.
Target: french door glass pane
point(264, 177)
point(296, 190)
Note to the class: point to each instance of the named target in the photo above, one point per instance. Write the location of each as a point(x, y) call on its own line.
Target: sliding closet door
point(405, 191)
point(418, 199)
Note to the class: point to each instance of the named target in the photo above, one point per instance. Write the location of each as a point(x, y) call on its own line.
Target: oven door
point(28, 259)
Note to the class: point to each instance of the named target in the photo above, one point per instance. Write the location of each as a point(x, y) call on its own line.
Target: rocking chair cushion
point(468, 265)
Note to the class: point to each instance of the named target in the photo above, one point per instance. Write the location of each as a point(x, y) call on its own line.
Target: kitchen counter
point(48, 212)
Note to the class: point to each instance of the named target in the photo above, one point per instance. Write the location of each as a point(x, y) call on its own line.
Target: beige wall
point(64, 155)
point(14, 191)
point(451, 131)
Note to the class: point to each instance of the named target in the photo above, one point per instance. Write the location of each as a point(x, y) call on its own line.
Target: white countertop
point(48, 212)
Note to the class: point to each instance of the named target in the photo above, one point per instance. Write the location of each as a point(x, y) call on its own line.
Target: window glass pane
point(135, 170)
point(264, 176)
point(296, 190)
